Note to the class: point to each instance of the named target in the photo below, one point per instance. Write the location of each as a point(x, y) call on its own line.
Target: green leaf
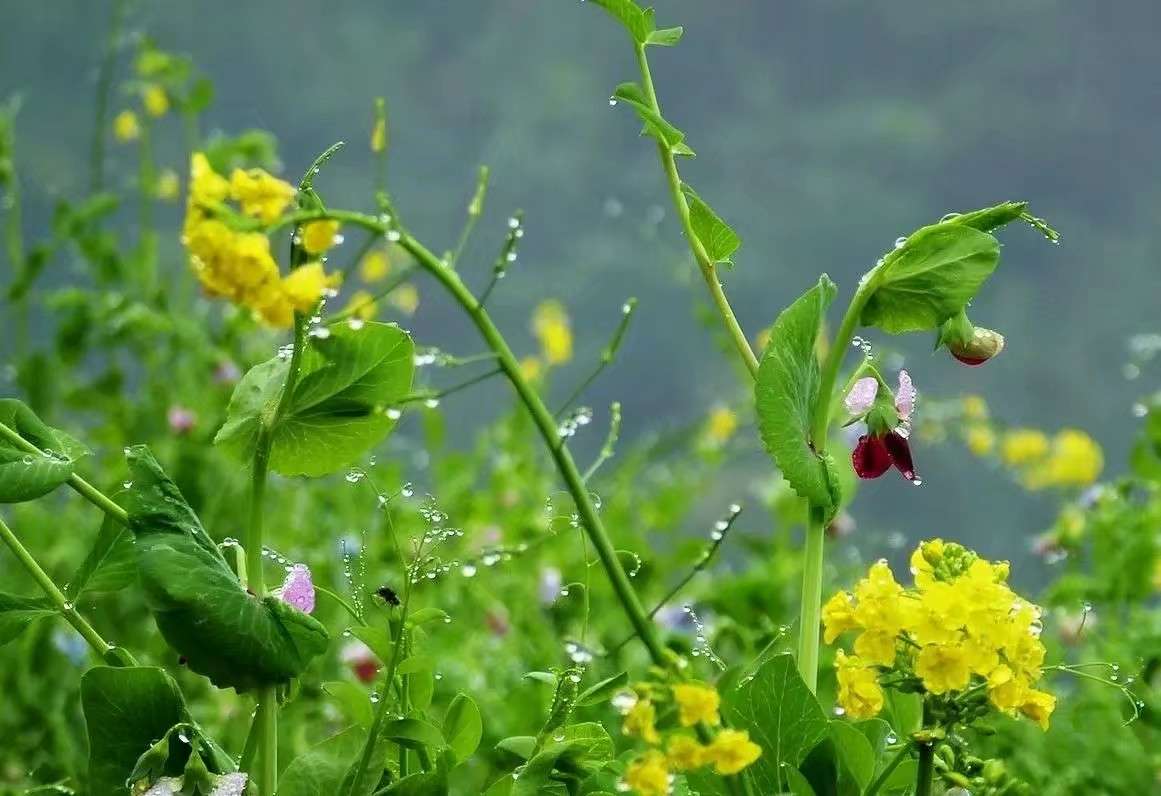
point(578, 749)
point(716, 236)
point(339, 410)
point(796, 783)
point(110, 566)
point(786, 393)
point(463, 727)
point(413, 733)
point(320, 770)
point(27, 476)
point(425, 616)
point(782, 716)
point(126, 711)
point(655, 125)
point(17, 613)
point(355, 703)
point(665, 37)
point(200, 607)
point(377, 638)
point(636, 20)
point(600, 692)
point(905, 711)
point(520, 745)
point(930, 278)
point(854, 753)
point(421, 688)
point(422, 783)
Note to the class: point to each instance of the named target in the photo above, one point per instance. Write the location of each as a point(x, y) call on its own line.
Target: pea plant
point(228, 695)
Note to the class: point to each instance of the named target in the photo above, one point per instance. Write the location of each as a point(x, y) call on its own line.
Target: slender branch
point(608, 354)
point(475, 208)
point(435, 395)
point(104, 86)
point(59, 601)
point(707, 266)
point(609, 447)
point(926, 771)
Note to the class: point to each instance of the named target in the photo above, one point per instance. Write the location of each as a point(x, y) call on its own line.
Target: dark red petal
point(971, 361)
point(900, 452)
point(870, 457)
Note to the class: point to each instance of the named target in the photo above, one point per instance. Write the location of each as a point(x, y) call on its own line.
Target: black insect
point(388, 594)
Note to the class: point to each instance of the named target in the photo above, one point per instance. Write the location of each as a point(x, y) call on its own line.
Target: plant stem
point(705, 264)
point(925, 773)
point(63, 606)
point(82, 487)
point(893, 764)
point(811, 606)
point(266, 716)
point(104, 85)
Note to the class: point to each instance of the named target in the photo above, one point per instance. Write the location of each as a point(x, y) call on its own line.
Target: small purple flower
point(862, 396)
point(166, 786)
point(226, 372)
point(550, 583)
point(180, 419)
point(298, 589)
point(885, 443)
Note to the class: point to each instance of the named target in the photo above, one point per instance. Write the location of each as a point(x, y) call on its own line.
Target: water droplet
point(900, 242)
point(319, 333)
point(468, 570)
point(355, 476)
point(407, 490)
point(612, 101)
point(393, 235)
point(355, 324)
point(431, 403)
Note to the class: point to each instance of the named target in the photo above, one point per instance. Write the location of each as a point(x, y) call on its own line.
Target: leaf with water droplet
point(25, 475)
point(340, 407)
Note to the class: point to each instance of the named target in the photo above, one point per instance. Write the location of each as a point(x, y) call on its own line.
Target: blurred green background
point(824, 130)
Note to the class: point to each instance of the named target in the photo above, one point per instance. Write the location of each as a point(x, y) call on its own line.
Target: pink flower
point(362, 661)
point(226, 372)
point(298, 589)
point(180, 419)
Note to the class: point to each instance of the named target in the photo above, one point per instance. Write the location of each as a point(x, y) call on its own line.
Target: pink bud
point(983, 345)
point(905, 396)
point(861, 397)
point(180, 419)
point(298, 589)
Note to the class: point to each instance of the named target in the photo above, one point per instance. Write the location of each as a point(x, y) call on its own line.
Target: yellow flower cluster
point(239, 266)
point(720, 425)
point(1070, 458)
point(960, 627)
point(551, 327)
point(728, 752)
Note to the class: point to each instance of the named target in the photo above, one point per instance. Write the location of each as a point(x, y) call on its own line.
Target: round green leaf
point(27, 476)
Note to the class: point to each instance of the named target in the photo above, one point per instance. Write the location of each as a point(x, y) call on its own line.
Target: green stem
point(63, 606)
point(541, 416)
point(811, 606)
point(104, 86)
point(80, 485)
point(707, 266)
point(885, 774)
point(266, 716)
point(926, 771)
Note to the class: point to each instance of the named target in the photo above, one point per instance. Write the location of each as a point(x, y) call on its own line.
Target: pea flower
point(362, 661)
point(180, 419)
point(972, 345)
point(888, 425)
point(298, 589)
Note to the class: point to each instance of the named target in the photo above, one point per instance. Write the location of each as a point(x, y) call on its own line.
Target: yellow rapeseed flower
point(551, 326)
point(126, 128)
point(1075, 459)
point(1022, 446)
point(721, 424)
point(531, 368)
point(684, 753)
point(838, 616)
point(943, 668)
point(319, 236)
point(261, 195)
point(980, 440)
point(362, 305)
point(155, 100)
point(974, 407)
point(641, 721)
point(859, 693)
point(168, 185)
point(375, 266)
point(1038, 706)
point(697, 703)
point(648, 775)
point(731, 751)
point(405, 298)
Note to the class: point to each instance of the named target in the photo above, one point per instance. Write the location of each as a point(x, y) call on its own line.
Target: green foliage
point(126, 711)
point(656, 126)
point(17, 613)
point(110, 566)
point(200, 607)
point(27, 476)
point(930, 277)
point(463, 727)
point(350, 379)
point(716, 236)
point(320, 770)
point(787, 391)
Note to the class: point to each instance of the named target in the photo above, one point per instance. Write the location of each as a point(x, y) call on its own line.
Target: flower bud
point(970, 344)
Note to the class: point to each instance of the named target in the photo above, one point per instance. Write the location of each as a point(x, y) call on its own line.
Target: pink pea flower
point(180, 419)
point(298, 589)
point(226, 372)
point(230, 784)
point(362, 661)
point(885, 443)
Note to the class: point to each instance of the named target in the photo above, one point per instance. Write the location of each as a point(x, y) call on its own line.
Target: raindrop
point(612, 101)
point(468, 570)
point(355, 324)
point(900, 242)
